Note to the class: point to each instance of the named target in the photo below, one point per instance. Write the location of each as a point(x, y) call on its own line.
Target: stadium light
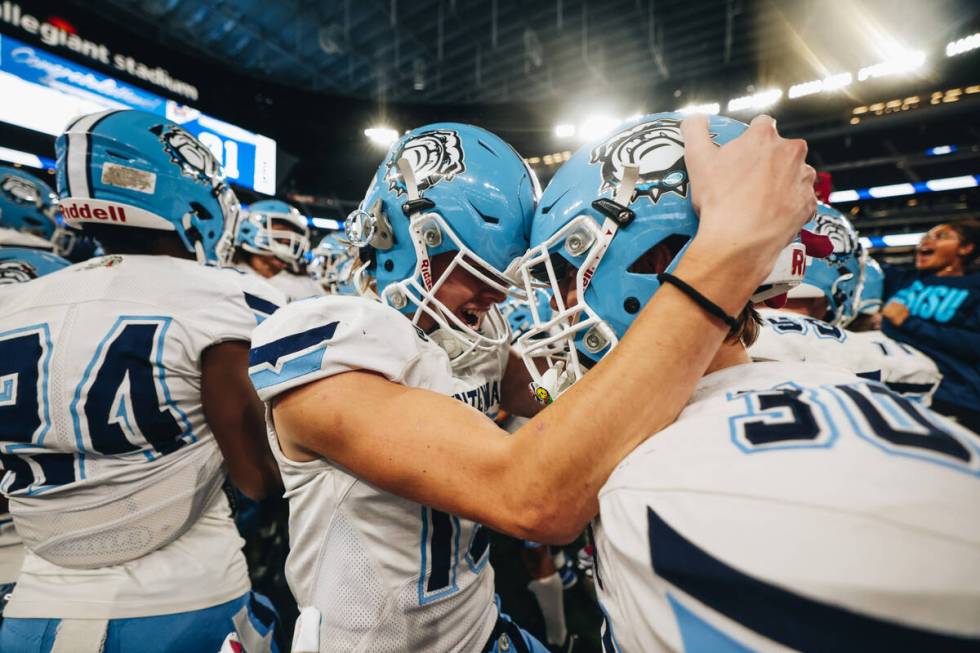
point(892, 240)
point(326, 223)
point(383, 136)
point(903, 63)
point(830, 83)
point(844, 196)
point(710, 108)
point(891, 190)
point(952, 183)
point(902, 240)
point(759, 100)
point(940, 150)
point(596, 126)
point(897, 190)
point(965, 44)
point(22, 158)
point(564, 130)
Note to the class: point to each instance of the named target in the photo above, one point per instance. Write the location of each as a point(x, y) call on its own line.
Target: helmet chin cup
point(786, 274)
point(551, 384)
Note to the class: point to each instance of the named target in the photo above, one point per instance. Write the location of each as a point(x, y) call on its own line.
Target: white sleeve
point(904, 369)
point(221, 304)
point(316, 338)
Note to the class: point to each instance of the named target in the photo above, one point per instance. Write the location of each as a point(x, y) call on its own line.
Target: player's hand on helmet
point(752, 194)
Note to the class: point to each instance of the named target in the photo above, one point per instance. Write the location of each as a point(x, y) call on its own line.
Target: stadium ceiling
point(487, 51)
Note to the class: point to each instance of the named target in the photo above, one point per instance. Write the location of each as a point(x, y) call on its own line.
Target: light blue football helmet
point(20, 264)
point(445, 187)
point(274, 228)
point(135, 169)
point(27, 203)
point(872, 287)
point(837, 277)
point(74, 245)
point(614, 215)
point(332, 265)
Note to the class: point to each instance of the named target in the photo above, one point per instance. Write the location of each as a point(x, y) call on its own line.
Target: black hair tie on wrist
point(700, 299)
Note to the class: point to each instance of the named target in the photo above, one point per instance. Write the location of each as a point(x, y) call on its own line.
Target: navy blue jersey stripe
point(871, 376)
point(273, 351)
point(256, 303)
point(264, 614)
point(88, 152)
point(909, 388)
point(790, 619)
point(442, 538)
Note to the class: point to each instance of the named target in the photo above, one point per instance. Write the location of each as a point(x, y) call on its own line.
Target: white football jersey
point(793, 507)
point(297, 286)
point(107, 454)
point(11, 550)
point(385, 573)
point(791, 337)
point(292, 286)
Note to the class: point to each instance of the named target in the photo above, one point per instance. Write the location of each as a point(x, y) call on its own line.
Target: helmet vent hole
point(201, 212)
point(659, 257)
point(631, 305)
point(389, 265)
point(487, 147)
point(489, 219)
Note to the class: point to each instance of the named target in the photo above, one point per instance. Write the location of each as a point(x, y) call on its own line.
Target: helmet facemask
point(281, 235)
point(575, 336)
point(332, 265)
point(458, 337)
point(555, 340)
point(429, 230)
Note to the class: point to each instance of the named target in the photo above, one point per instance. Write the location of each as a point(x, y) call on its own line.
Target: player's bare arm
point(236, 416)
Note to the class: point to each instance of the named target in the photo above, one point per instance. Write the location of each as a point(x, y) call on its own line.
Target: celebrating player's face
point(463, 293)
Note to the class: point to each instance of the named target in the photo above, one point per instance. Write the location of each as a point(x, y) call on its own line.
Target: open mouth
point(473, 316)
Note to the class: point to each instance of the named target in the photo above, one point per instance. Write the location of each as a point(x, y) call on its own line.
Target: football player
point(790, 506)
point(333, 265)
point(27, 210)
point(810, 326)
point(17, 265)
point(270, 242)
point(380, 412)
point(128, 402)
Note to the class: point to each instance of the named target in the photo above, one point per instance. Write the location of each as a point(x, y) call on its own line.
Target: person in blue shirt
point(936, 308)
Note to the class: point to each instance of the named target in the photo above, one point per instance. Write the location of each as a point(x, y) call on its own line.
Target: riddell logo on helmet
point(84, 211)
point(426, 269)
